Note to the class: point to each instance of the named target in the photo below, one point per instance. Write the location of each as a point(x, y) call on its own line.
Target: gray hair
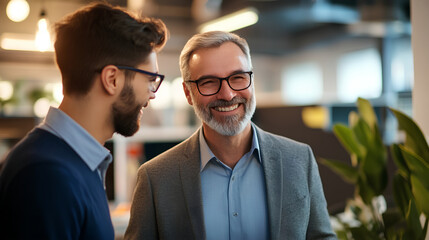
point(209, 40)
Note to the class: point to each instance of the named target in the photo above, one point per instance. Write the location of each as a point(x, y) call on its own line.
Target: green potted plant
point(367, 216)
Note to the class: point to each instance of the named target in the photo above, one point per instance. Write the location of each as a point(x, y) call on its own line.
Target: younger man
point(52, 184)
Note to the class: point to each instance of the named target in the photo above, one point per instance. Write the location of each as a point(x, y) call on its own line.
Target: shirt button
point(235, 214)
point(233, 178)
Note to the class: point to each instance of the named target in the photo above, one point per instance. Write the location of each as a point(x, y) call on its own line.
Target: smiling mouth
point(227, 109)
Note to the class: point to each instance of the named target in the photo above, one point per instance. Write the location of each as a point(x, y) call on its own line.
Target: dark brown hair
point(99, 35)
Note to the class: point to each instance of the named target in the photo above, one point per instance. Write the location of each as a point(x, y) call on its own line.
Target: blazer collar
point(273, 179)
point(191, 183)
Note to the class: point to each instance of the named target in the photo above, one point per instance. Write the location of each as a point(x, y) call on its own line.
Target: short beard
point(126, 112)
point(232, 125)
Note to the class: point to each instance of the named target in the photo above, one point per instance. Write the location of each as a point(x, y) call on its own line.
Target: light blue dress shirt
point(234, 200)
point(95, 155)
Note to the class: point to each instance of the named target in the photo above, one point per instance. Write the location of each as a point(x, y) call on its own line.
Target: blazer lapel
point(273, 180)
point(191, 182)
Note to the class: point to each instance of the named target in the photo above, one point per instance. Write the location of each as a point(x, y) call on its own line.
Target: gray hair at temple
point(210, 40)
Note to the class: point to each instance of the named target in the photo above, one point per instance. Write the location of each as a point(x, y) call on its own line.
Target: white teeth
point(227, 109)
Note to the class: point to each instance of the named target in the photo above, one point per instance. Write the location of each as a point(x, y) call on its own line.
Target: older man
point(231, 179)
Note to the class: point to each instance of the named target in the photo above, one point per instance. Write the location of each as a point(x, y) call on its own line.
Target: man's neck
point(90, 115)
point(229, 149)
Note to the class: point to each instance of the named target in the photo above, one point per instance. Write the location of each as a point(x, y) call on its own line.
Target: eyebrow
point(213, 76)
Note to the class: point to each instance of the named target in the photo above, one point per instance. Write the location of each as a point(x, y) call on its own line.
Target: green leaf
point(353, 119)
point(414, 227)
point(365, 191)
point(405, 202)
point(421, 194)
point(348, 140)
point(376, 180)
point(362, 233)
point(363, 133)
point(399, 160)
point(341, 235)
point(347, 172)
point(394, 223)
point(378, 140)
point(393, 218)
point(419, 168)
point(415, 139)
point(367, 112)
point(425, 230)
point(401, 193)
point(375, 169)
point(394, 234)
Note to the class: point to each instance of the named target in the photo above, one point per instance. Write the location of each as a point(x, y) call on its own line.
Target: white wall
point(420, 44)
point(268, 69)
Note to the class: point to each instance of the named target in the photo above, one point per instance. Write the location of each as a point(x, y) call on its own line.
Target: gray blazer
point(167, 201)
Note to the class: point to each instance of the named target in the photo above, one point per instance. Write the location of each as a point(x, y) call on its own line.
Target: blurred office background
point(311, 58)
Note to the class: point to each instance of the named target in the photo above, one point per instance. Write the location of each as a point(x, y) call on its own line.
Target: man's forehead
point(226, 56)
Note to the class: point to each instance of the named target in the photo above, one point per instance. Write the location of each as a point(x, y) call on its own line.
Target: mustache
point(224, 103)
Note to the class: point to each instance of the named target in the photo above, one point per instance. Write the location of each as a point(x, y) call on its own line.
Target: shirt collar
point(207, 154)
point(90, 150)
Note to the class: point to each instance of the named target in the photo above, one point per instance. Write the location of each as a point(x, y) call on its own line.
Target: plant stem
point(378, 221)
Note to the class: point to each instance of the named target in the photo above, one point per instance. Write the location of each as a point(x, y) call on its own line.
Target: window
point(359, 75)
point(302, 84)
point(402, 66)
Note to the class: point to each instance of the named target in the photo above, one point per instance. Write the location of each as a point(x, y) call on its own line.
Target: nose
point(225, 92)
point(151, 95)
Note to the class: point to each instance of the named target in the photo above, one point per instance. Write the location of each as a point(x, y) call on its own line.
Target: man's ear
point(110, 79)
point(187, 93)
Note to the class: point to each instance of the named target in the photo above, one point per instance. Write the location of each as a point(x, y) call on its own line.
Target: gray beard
point(232, 125)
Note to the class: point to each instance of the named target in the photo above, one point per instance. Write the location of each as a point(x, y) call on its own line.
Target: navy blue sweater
point(48, 192)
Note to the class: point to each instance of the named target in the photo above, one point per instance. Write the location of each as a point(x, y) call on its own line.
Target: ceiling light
point(43, 37)
point(17, 10)
point(16, 41)
point(231, 22)
point(6, 90)
point(20, 42)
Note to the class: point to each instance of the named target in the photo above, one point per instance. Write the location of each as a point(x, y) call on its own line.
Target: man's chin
point(130, 130)
point(127, 134)
point(226, 129)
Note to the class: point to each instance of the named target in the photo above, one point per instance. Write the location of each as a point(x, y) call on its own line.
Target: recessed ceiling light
point(17, 10)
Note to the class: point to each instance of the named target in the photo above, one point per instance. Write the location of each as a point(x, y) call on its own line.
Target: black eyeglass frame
point(220, 82)
point(160, 76)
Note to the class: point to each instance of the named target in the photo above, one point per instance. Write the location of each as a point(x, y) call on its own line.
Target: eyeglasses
point(208, 86)
point(155, 81)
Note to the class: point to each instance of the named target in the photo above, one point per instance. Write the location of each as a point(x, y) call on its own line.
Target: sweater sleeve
point(43, 203)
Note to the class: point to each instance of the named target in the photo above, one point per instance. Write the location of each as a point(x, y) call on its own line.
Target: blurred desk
point(120, 214)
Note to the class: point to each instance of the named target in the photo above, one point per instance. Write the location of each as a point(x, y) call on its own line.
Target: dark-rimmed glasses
point(155, 81)
point(211, 85)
